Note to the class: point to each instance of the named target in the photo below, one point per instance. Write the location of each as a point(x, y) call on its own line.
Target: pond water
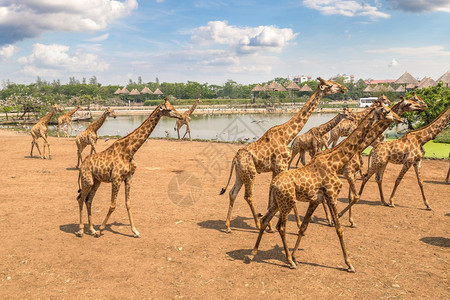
point(225, 127)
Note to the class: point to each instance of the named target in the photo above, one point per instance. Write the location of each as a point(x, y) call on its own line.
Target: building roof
point(157, 92)
point(445, 78)
point(293, 86)
point(146, 90)
point(407, 78)
point(257, 88)
point(426, 82)
point(377, 81)
point(134, 92)
point(305, 88)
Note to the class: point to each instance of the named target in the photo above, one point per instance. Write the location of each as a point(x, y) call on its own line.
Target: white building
point(301, 78)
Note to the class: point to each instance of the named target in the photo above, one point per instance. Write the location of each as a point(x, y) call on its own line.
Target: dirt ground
point(183, 251)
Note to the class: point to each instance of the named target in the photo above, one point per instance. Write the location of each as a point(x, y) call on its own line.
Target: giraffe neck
point(324, 128)
point(131, 143)
point(340, 155)
point(48, 116)
point(430, 131)
point(95, 126)
point(380, 127)
point(193, 107)
point(362, 114)
point(70, 113)
point(289, 130)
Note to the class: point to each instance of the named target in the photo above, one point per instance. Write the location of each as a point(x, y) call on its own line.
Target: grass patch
point(443, 137)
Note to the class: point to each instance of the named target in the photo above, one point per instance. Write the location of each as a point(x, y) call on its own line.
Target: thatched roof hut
point(445, 79)
point(125, 91)
point(118, 91)
point(134, 92)
point(157, 92)
point(368, 89)
point(305, 88)
point(146, 90)
point(426, 82)
point(293, 87)
point(257, 88)
point(407, 78)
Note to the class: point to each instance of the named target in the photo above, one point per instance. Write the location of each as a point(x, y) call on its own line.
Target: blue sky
point(214, 41)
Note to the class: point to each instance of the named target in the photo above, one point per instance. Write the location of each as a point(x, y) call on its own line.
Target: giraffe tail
point(229, 178)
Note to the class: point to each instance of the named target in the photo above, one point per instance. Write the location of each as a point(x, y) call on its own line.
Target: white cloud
point(8, 51)
point(393, 63)
point(420, 5)
point(244, 39)
point(414, 51)
point(99, 38)
point(33, 17)
point(348, 8)
point(58, 59)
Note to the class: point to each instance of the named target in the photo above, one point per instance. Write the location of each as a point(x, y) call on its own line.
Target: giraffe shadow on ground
point(436, 241)
point(276, 253)
point(72, 228)
point(36, 157)
point(237, 224)
point(360, 201)
point(72, 169)
point(436, 182)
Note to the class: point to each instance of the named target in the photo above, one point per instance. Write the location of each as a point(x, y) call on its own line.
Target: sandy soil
point(400, 252)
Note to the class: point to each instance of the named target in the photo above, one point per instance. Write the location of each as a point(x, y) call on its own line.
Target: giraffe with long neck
point(355, 164)
point(185, 119)
point(40, 129)
point(313, 140)
point(67, 120)
point(315, 183)
point(89, 135)
point(345, 127)
point(270, 153)
point(116, 165)
point(407, 151)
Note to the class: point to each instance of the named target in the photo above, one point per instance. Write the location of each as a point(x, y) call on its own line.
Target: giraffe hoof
point(248, 259)
point(93, 232)
point(79, 233)
point(137, 235)
point(228, 230)
point(392, 205)
point(429, 208)
point(270, 230)
point(351, 270)
point(292, 265)
point(353, 226)
point(97, 234)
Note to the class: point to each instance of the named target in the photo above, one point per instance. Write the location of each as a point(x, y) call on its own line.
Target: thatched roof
point(280, 88)
point(426, 82)
point(157, 92)
point(125, 91)
point(305, 88)
point(272, 86)
point(400, 89)
point(407, 78)
point(257, 88)
point(389, 89)
point(293, 86)
point(118, 91)
point(368, 89)
point(445, 78)
point(146, 90)
point(266, 87)
point(134, 92)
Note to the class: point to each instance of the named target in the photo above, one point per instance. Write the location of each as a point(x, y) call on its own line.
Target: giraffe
point(408, 151)
point(355, 164)
point(345, 127)
point(66, 119)
point(316, 182)
point(115, 165)
point(313, 140)
point(448, 172)
point(270, 153)
point(186, 118)
point(89, 135)
point(40, 129)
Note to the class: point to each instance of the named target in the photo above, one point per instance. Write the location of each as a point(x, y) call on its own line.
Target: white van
point(366, 102)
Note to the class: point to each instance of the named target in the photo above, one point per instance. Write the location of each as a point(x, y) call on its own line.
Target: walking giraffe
point(185, 119)
point(316, 182)
point(116, 165)
point(89, 135)
point(67, 120)
point(270, 153)
point(40, 129)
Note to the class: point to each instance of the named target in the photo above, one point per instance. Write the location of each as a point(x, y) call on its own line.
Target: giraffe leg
point(188, 129)
point(86, 185)
point(178, 131)
point(46, 143)
point(112, 207)
point(264, 223)
point(281, 227)
point(249, 198)
point(89, 199)
point(297, 217)
point(301, 232)
point(128, 205)
point(332, 205)
point(379, 180)
point(58, 127)
point(420, 181)
point(405, 168)
point(351, 197)
point(302, 157)
point(327, 215)
point(71, 129)
point(80, 148)
point(233, 194)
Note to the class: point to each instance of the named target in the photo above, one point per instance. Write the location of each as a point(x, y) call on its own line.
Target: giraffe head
point(385, 100)
point(110, 112)
point(56, 107)
point(199, 100)
point(329, 87)
point(168, 110)
point(382, 112)
point(413, 103)
point(348, 114)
